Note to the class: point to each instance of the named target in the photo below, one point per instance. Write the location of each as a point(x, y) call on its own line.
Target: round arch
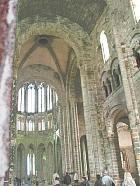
point(123, 139)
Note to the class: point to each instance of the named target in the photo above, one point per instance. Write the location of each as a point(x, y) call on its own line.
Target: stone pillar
point(69, 120)
point(75, 141)
point(64, 141)
point(114, 158)
point(12, 168)
point(125, 61)
point(91, 122)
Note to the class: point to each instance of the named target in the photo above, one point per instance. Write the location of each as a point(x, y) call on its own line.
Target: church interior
point(75, 101)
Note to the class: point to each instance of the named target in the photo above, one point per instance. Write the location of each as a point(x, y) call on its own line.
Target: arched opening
point(126, 148)
point(20, 173)
point(116, 78)
point(31, 162)
point(109, 86)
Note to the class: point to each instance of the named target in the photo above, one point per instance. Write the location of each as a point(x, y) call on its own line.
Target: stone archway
point(120, 136)
point(72, 33)
point(63, 28)
point(31, 161)
point(126, 148)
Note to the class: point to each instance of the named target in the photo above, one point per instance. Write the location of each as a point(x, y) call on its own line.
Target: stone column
point(64, 140)
point(75, 141)
point(114, 158)
point(69, 121)
point(91, 122)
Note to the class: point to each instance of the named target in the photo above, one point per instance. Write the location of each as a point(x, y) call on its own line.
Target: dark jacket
point(67, 179)
point(98, 182)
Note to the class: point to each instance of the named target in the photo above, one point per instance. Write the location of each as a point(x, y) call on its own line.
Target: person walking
point(128, 180)
point(67, 179)
point(29, 182)
point(56, 179)
point(107, 180)
point(98, 181)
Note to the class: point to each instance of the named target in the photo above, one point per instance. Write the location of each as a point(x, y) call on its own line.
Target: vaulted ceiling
point(48, 50)
point(83, 12)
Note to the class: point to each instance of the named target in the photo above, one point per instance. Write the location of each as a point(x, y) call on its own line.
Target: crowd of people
point(104, 180)
point(69, 179)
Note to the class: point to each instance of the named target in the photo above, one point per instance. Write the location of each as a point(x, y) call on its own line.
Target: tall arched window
point(104, 46)
point(49, 98)
point(136, 9)
point(31, 98)
point(41, 98)
point(20, 124)
point(30, 125)
point(21, 101)
point(30, 163)
point(41, 125)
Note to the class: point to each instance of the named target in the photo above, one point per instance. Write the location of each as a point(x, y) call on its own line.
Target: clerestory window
point(31, 98)
point(104, 46)
point(41, 98)
point(30, 125)
point(34, 98)
point(21, 99)
point(41, 125)
point(136, 9)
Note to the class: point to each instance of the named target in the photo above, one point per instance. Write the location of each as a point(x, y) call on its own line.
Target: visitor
point(98, 181)
point(128, 180)
point(75, 177)
point(29, 182)
point(67, 179)
point(37, 183)
point(56, 179)
point(15, 181)
point(84, 182)
point(107, 180)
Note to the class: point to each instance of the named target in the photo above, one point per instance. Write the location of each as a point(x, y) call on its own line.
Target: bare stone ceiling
point(46, 50)
point(83, 12)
